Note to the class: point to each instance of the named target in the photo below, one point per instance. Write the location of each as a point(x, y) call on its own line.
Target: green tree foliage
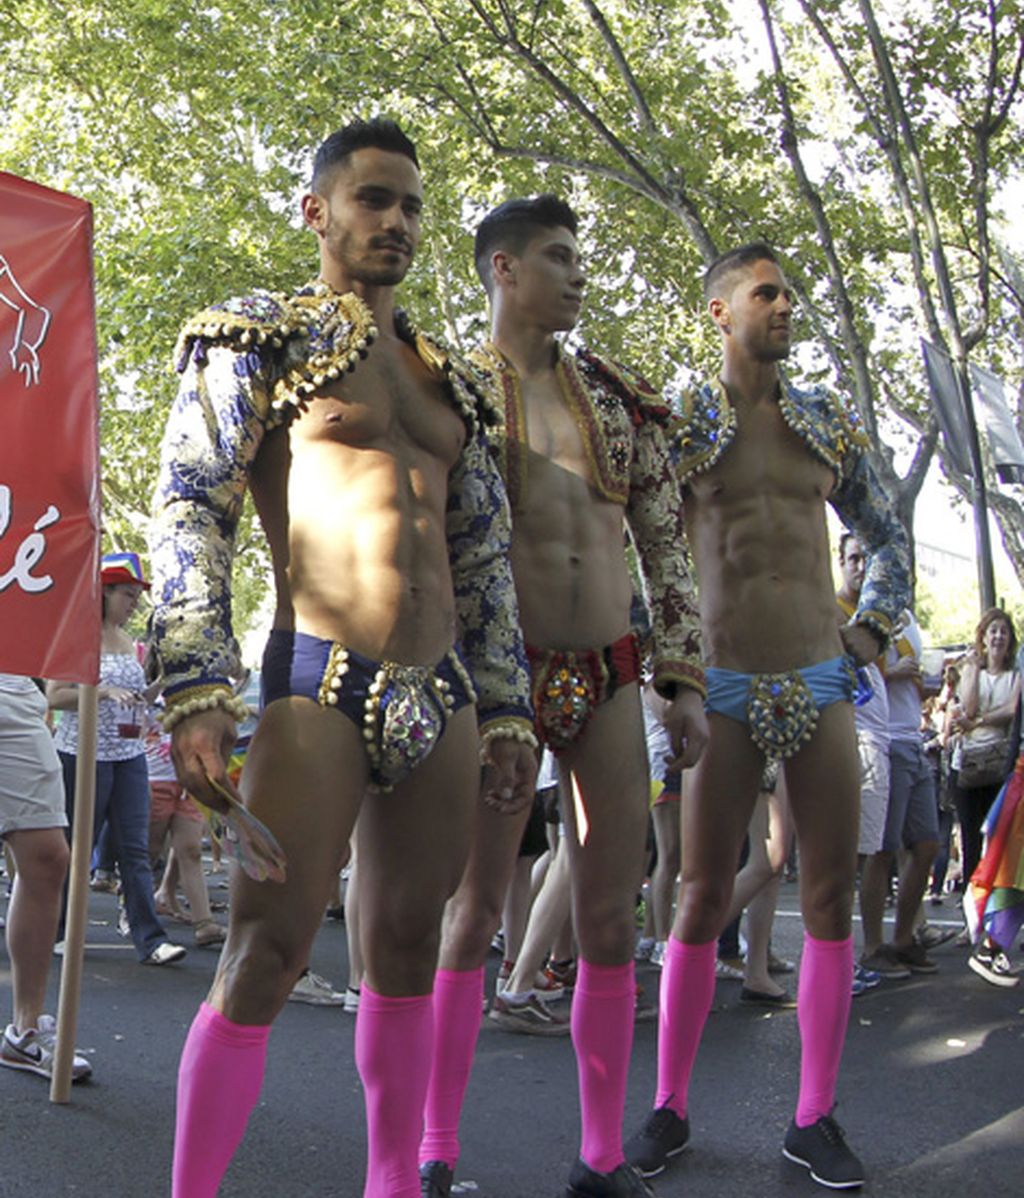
point(871, 142)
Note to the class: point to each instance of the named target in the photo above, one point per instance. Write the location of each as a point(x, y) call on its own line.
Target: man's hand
point(510, 771)
point(687, 728)
point(906, 667)
point(200, 746)
point(861, 643)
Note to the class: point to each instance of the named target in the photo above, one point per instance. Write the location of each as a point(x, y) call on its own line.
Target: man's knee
point(703, 905)
point(258, 967)
point(470, 921)
point(827, 902)
point(189, 853)
point(924, 852)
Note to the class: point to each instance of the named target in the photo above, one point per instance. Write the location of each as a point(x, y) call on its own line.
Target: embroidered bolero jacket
point(248, 366)
point(833, 433)
point(623, 423)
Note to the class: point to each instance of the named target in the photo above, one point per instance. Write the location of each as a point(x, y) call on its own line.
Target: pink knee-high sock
point(458, 1004)
point(603, 1014)
point(687, 988)
point(394, 1039)
point(219, 1080)
point(823, 1010)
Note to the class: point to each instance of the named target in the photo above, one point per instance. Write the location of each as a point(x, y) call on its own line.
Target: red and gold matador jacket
point(624, 426)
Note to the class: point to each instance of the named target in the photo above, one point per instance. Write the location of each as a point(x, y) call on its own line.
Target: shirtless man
point(758, 461)
point(388, 531)
point(582, 445)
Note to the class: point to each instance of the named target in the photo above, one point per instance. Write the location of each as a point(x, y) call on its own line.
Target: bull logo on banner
point(32, 321)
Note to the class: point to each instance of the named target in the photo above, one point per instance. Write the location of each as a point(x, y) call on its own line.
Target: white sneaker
point(311, 988)
point(658, 954)
point(728, 972)
point(351, 1000)
point(33, 1050)
point(165, 954)
point(644, 948)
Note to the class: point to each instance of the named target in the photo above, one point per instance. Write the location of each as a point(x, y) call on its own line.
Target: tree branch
point(619, 58)
point(888, 143)
point(863, 387)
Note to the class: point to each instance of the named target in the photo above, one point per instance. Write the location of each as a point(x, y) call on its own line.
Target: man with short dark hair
point(582, 446)
point(758, 459)
point(395, 664)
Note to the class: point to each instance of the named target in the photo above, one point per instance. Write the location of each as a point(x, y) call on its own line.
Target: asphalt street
point(931, 1091)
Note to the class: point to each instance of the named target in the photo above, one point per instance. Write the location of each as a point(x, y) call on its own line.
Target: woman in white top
point(122, 781)
point(989, 688)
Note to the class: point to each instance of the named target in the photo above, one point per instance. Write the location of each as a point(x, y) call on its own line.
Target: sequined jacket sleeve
point(832, 428)
point(214, 430)
point(654, 513)
point(861, 504)
point(479, 543)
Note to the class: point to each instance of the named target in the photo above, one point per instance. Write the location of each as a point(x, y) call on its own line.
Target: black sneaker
point(623, 1182)
point(994, 966)
point(822, 1149)
point(663, 1136)
point(435, 1180)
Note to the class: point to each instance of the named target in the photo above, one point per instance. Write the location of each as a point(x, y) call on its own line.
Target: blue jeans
point(122, 800)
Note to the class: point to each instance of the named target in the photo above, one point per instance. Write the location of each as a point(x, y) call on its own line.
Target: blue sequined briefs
point(781, 710)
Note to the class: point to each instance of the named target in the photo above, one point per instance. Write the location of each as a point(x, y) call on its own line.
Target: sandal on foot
point(174, 914)
point(209, 934)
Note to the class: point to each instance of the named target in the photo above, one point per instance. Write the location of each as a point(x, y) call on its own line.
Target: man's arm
point(862, 506)
point(214, 430)
point(479, 545)
point(654, 514)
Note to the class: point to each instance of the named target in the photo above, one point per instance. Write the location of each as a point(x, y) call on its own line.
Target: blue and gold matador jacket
point(832, 432)
point(623, 423)
point(247, 366)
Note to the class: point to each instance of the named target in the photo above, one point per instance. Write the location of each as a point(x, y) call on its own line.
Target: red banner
point(49, 436)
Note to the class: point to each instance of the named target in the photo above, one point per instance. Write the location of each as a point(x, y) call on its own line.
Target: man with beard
point(395, 664)
point(758, 461)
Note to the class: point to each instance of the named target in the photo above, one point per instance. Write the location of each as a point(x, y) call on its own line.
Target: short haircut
point(844, 540)
point(717, 278)
point(379, 133)
point(511, 226)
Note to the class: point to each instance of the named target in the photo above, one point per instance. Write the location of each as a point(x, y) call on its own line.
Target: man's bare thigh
point(304, 777)
point(413, 845)
point(609, 763)
point(717, 806)
point(823, 786)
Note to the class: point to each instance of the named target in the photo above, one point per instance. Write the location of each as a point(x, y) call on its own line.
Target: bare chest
point(551, 430)
point(766, 460)
point(390, 402)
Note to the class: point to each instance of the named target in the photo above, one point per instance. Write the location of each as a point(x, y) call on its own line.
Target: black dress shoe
point(435, 1180)
point(623, 1182)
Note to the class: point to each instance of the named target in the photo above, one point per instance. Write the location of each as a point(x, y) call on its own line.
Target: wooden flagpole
point(78, 896)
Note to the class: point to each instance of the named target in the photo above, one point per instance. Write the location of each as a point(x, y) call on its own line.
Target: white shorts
point(874, 792)
point(31, 781)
